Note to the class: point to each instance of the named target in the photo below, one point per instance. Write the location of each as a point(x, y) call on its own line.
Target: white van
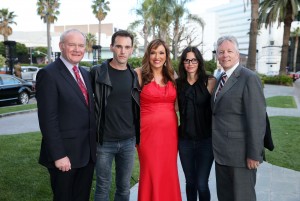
point(29, 72)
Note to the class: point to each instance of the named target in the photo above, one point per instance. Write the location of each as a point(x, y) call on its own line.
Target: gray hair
point(63, 35)
point(231, 39)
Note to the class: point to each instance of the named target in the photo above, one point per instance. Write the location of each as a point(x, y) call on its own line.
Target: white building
point(233, 19)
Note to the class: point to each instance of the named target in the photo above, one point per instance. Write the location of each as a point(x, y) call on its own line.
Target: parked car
point(4, 70)
point(29, 72)
point(294, 76)
point(14, 89)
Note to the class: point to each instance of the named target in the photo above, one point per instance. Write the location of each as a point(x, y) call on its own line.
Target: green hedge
point(278, 80)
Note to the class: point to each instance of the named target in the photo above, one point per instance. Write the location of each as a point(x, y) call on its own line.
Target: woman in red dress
point(158, 146)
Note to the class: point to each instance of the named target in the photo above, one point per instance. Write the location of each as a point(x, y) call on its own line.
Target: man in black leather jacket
point(117, 107)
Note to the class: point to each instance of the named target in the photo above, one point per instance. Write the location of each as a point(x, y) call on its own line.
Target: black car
point(14, 89)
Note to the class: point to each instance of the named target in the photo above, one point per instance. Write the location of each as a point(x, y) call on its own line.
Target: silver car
point(29, 72)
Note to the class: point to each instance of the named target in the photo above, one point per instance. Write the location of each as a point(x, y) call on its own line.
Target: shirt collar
point(68, 64)
point(230, 71)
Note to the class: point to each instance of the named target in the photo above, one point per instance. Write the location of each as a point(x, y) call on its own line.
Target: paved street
point(19, 123)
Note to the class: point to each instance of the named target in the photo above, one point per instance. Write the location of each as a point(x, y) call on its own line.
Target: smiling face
point(228, 55)
point(73, 47)
point(190, 63)
point(158, 57)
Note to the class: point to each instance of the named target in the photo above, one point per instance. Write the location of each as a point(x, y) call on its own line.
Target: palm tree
point(90, 41)
point(160, 14)
point(253, 34)
point(144, 21)
point(100, 8)
point(199, 21)
point(179, 11)
point(296, 34)
point(48, 10)
point(281, 11)
point(6, 19)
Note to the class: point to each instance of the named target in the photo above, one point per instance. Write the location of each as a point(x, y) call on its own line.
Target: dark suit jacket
point(66, 122)
point(239, 119)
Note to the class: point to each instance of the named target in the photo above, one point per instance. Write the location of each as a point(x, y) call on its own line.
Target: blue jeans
point(196, 159)
point(123, 152)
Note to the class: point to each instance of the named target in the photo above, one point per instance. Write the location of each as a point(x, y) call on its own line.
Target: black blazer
point(66, 122)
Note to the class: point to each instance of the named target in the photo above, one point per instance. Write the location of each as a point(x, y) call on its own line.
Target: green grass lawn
point(286, 137)
point(281, 101)
point(16, 108)
point(21, 177)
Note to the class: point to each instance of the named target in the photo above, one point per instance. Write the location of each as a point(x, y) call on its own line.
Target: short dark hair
point(121, 33)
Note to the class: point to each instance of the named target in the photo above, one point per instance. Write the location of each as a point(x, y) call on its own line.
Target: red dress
point(158, 146)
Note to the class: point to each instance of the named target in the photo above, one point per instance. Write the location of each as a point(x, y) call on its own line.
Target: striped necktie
point(221, 83)
point(81, 85)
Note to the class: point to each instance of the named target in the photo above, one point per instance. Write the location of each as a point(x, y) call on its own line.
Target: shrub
point(278, 80)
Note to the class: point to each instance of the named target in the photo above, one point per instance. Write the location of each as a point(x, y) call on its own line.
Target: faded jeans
point(123, 152)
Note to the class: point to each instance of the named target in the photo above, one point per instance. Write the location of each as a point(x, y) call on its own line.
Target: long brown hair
point(167, 71)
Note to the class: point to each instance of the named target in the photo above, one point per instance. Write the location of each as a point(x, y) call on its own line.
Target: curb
point(19, 112)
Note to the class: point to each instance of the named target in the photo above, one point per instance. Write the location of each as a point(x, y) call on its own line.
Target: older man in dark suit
point(66, 117)
point(239, 123)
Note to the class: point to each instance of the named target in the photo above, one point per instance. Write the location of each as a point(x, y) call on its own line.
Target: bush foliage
point(277, 80)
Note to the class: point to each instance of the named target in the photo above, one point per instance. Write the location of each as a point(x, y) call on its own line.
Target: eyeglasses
point(187, 61)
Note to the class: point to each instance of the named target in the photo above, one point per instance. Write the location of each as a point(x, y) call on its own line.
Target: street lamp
point(96, 54)
point(215, 54)
point(10, 50)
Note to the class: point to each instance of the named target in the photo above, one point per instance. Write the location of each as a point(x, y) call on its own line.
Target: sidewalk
point(273, 183)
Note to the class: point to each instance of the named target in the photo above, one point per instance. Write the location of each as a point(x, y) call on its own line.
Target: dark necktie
point(221, 83)
point(81, 85)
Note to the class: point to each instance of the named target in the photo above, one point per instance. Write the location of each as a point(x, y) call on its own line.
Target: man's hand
point(63, 164)
point(252, 164)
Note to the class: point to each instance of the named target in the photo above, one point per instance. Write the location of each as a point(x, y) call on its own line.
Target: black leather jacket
point(102, 87)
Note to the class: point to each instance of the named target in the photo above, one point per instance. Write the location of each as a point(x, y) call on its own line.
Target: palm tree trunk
point(48, 40)
point(295, 53)
point(286, 36)
point(145, 32)
point(99, 32)
point(284, 50)
point(253, 35)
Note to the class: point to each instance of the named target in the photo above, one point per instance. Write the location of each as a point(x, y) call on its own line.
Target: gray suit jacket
point(239, 119)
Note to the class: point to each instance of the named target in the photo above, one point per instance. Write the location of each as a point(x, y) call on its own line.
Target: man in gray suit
point(238, 126)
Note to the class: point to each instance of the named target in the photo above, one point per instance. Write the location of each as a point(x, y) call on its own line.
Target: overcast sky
point(79, 12)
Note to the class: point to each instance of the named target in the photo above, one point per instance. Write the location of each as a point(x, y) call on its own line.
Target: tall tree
point(160, 14)
point(90, 41)
point(280, 11)
point(48, 10)
point(144, 21)
point(100, 8)
point(179, 10)
point(295, 33)
point(253, 34)
point(6, 19)
point(200, 22)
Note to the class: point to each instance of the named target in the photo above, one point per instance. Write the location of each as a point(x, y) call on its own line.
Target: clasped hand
point(63, 164)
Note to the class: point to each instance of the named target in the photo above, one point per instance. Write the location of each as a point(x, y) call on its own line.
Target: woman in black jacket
point(194, 88)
